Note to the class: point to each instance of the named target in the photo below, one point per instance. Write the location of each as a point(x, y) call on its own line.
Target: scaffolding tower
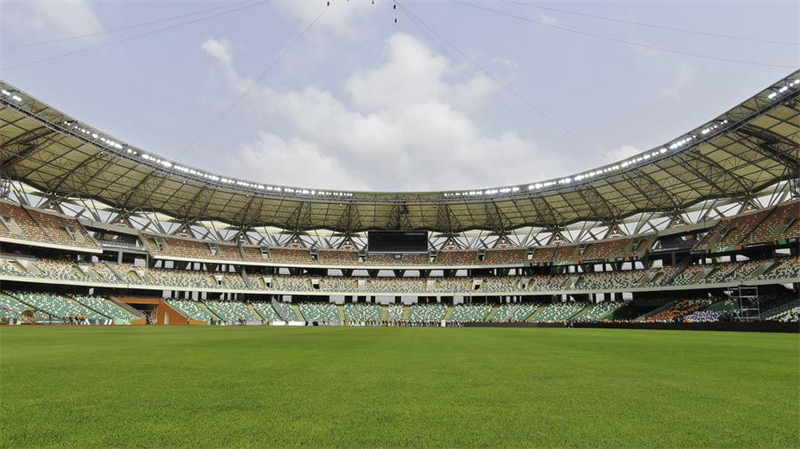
point(747, 298)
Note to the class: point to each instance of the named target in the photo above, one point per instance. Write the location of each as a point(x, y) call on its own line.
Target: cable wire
point(621, 41)
point(263, 74)
point(130, 38)
point(652, 25)
point(124, 28)
point(524, 100)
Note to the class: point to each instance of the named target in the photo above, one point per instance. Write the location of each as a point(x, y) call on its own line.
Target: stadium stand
point(427, 312)
point(191, 309)
point(231, 311)
point(678, 311)
point(782, 223)
point(732, 231)
point(514, 312)
point(358, 314)
point(557, 312)
point(55, 305)
point(266, 311)
point(597, 311)
point(288, 311)
point(470, 313)
point(394, 313)
point(320, 312)
point(41, 227)
point(105, 307)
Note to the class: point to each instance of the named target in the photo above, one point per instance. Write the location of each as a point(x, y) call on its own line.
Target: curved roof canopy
point(750, 147)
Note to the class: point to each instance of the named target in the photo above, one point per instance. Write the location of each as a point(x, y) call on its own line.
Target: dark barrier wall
point(764, 326)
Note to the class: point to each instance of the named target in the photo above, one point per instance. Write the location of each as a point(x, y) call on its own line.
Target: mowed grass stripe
point(396, 387)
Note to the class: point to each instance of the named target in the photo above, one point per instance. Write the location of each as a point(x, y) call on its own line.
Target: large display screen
point(397, 241)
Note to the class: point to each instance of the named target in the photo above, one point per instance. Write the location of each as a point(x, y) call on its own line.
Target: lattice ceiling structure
point(739, 157)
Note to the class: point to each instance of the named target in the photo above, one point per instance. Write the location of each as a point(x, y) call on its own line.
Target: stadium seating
point(231, 311)
point(288, 311)
point(558, 312)
point(320, 312)
point(56, 305)
point(732, 231)
point(611, 280)
point(361, 313)
point(505, 257)
point(395, 312)
point(785, 268)
point(597, 311)
point(190, 309)
point(427, 312)
point(266, 311)
point(470, 312)
point(457, 258)
point(105, 307)
point(678, 311)
point(782, 223)
point(514, 312)
point(43, 227)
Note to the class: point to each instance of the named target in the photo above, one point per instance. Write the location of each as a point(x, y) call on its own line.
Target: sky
point(430, 95)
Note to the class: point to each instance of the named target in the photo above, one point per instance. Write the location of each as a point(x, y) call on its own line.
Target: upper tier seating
point(611, 280)
point(191, 249)
point(427, 312)
point(231, 311)
point(782, 223)
point(470, 312)
point(505, 257)
point(514, 312)
point(786, 268)
point(43, 227)
point(557, 312)
point(732, 231)
point(457, 257)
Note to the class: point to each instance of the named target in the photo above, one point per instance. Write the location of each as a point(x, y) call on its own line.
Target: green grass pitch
point(396, 387)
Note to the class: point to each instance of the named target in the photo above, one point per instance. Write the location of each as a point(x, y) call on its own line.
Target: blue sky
point(362, 102)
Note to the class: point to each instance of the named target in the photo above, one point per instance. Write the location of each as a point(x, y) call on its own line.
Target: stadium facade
point(703, 227)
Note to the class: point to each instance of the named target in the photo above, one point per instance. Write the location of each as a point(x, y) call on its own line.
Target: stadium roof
point(746, 149)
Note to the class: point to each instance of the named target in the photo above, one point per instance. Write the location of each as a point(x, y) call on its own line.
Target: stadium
point(649, 302)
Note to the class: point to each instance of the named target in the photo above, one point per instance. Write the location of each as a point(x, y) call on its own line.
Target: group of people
point(76, 320)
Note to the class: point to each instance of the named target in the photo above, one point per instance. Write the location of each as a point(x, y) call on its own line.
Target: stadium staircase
point(296, 308)
point(246, 277)
point(208, 310)
point(495, 307)
point(340, 311)
point(647, 315)
point(279, 310)
point(125, 306)
point(253, 310)
point(449, 312)
point(384, 312)
point(536, 311)
point(780, 309)
point(115, 272)
point(406, 311)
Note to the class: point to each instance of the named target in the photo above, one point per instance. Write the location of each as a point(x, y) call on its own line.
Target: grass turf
point(396, 387)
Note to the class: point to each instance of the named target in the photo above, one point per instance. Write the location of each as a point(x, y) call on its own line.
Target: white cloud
point(342, 18)
point(409, 123)
point(64, 17)
point(618, 154)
